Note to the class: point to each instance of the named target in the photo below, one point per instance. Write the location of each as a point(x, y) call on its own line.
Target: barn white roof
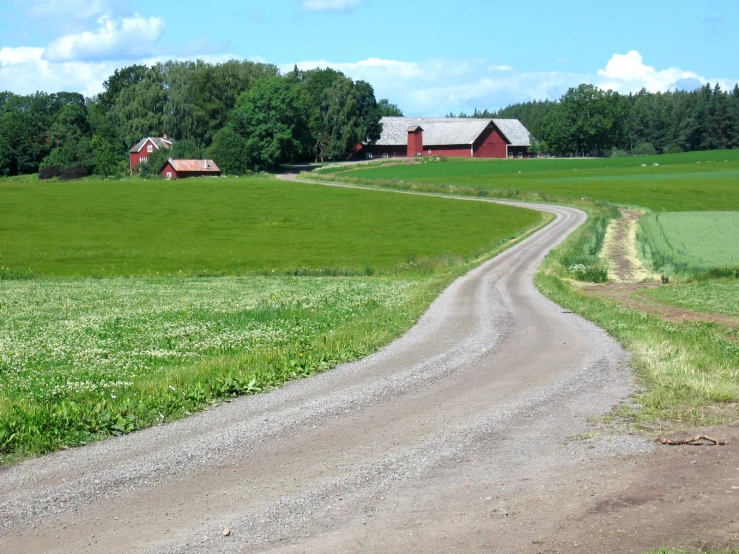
point(443, 131)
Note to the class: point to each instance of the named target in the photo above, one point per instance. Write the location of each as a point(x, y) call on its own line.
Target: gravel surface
point(433, 444)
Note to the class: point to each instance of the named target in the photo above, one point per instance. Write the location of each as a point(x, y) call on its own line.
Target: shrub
point(673, 149)
point(73, 173)
point(644, 149)
point(49, 172)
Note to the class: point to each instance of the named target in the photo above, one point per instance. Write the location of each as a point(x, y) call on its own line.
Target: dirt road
point(458, 437)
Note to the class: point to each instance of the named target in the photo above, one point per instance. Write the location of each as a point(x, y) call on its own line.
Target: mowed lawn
point(694, 181)
point(236, 227)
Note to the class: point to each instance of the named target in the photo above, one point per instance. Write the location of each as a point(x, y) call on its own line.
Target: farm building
point(182, 169)
point(141, 150)
point(447, 136)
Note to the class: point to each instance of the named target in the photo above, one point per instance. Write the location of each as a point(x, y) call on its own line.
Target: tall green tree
point(272, 117)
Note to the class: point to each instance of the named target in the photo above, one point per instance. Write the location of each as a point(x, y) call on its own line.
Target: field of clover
point(70, 338)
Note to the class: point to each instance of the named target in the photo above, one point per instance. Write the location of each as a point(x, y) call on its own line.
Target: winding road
point(456, 437)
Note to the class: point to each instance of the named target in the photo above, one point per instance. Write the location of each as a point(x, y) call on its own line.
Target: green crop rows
point(690, 242)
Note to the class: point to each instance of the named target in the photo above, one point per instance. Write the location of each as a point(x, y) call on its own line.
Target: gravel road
point(437, 443)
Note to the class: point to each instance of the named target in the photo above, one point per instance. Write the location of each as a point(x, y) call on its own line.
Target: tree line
point(587, 120)
point(246, 116)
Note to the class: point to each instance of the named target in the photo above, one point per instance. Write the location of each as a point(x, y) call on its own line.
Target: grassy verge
point(720, 296)
point(84, 360)
point(688, 371)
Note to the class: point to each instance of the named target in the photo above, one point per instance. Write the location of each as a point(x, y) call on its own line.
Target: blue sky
point(429, 57)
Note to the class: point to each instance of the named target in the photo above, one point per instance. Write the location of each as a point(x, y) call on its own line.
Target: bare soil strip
point(619, 250)
point(455, 438)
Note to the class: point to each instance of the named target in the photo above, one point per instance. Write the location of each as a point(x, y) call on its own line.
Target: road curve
point(431, 444)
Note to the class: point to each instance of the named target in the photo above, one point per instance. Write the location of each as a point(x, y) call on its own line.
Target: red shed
point(143, 148)
point(452, 137)
point(182, 169)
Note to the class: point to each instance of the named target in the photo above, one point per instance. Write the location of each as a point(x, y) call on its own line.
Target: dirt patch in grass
point(627, 294)
point(619, 249)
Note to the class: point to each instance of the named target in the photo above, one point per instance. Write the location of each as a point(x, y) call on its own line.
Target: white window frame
point(150, 148)
point(169, 174)
point(143, 159)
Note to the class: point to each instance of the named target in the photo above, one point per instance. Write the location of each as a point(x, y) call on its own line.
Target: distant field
point(695, 181)
point(236, 227)
point(690, 242)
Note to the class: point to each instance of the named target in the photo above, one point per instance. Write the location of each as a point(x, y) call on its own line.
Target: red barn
point(182, 169)
point(143, 148)
point(452, 137)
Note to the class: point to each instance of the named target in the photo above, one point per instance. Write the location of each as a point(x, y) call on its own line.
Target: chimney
point(165, 136)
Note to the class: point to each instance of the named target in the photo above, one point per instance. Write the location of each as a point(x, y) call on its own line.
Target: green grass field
point(690, 242)
point(718, 297)
point(236, 227)
point(111, 317)
point(694, 181)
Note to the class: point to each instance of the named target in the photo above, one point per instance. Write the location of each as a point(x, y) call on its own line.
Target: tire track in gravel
point(387, 454)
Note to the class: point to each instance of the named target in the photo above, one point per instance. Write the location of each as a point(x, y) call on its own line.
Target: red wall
point(143, 153)
point(490, 144)
point(377, 151)
point(415, 143)
point(454, 151)
point(167, 168)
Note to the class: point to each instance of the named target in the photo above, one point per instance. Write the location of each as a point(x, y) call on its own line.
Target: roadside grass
point(237, 227)
point(715, 296)
point(688, 243)
point(689, 371)
point(694, 181)
point(84, 358)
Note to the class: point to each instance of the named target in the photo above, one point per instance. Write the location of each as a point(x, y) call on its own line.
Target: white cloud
point(330, 5)
point(125, 37)
point(441, 86)
point(24, 71)
point(629, 73)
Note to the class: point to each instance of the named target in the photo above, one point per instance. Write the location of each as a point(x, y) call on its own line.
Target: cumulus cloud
point(125, 37)
point(330, 5)
point(444, 85)
point(27, 70)
point(628, 73)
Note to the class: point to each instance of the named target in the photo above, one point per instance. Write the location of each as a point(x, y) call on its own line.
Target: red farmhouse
point(143, 148)
point(447, 136)
point(181, 169)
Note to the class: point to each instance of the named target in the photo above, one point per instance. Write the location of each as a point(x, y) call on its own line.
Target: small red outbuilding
point(182, 169)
